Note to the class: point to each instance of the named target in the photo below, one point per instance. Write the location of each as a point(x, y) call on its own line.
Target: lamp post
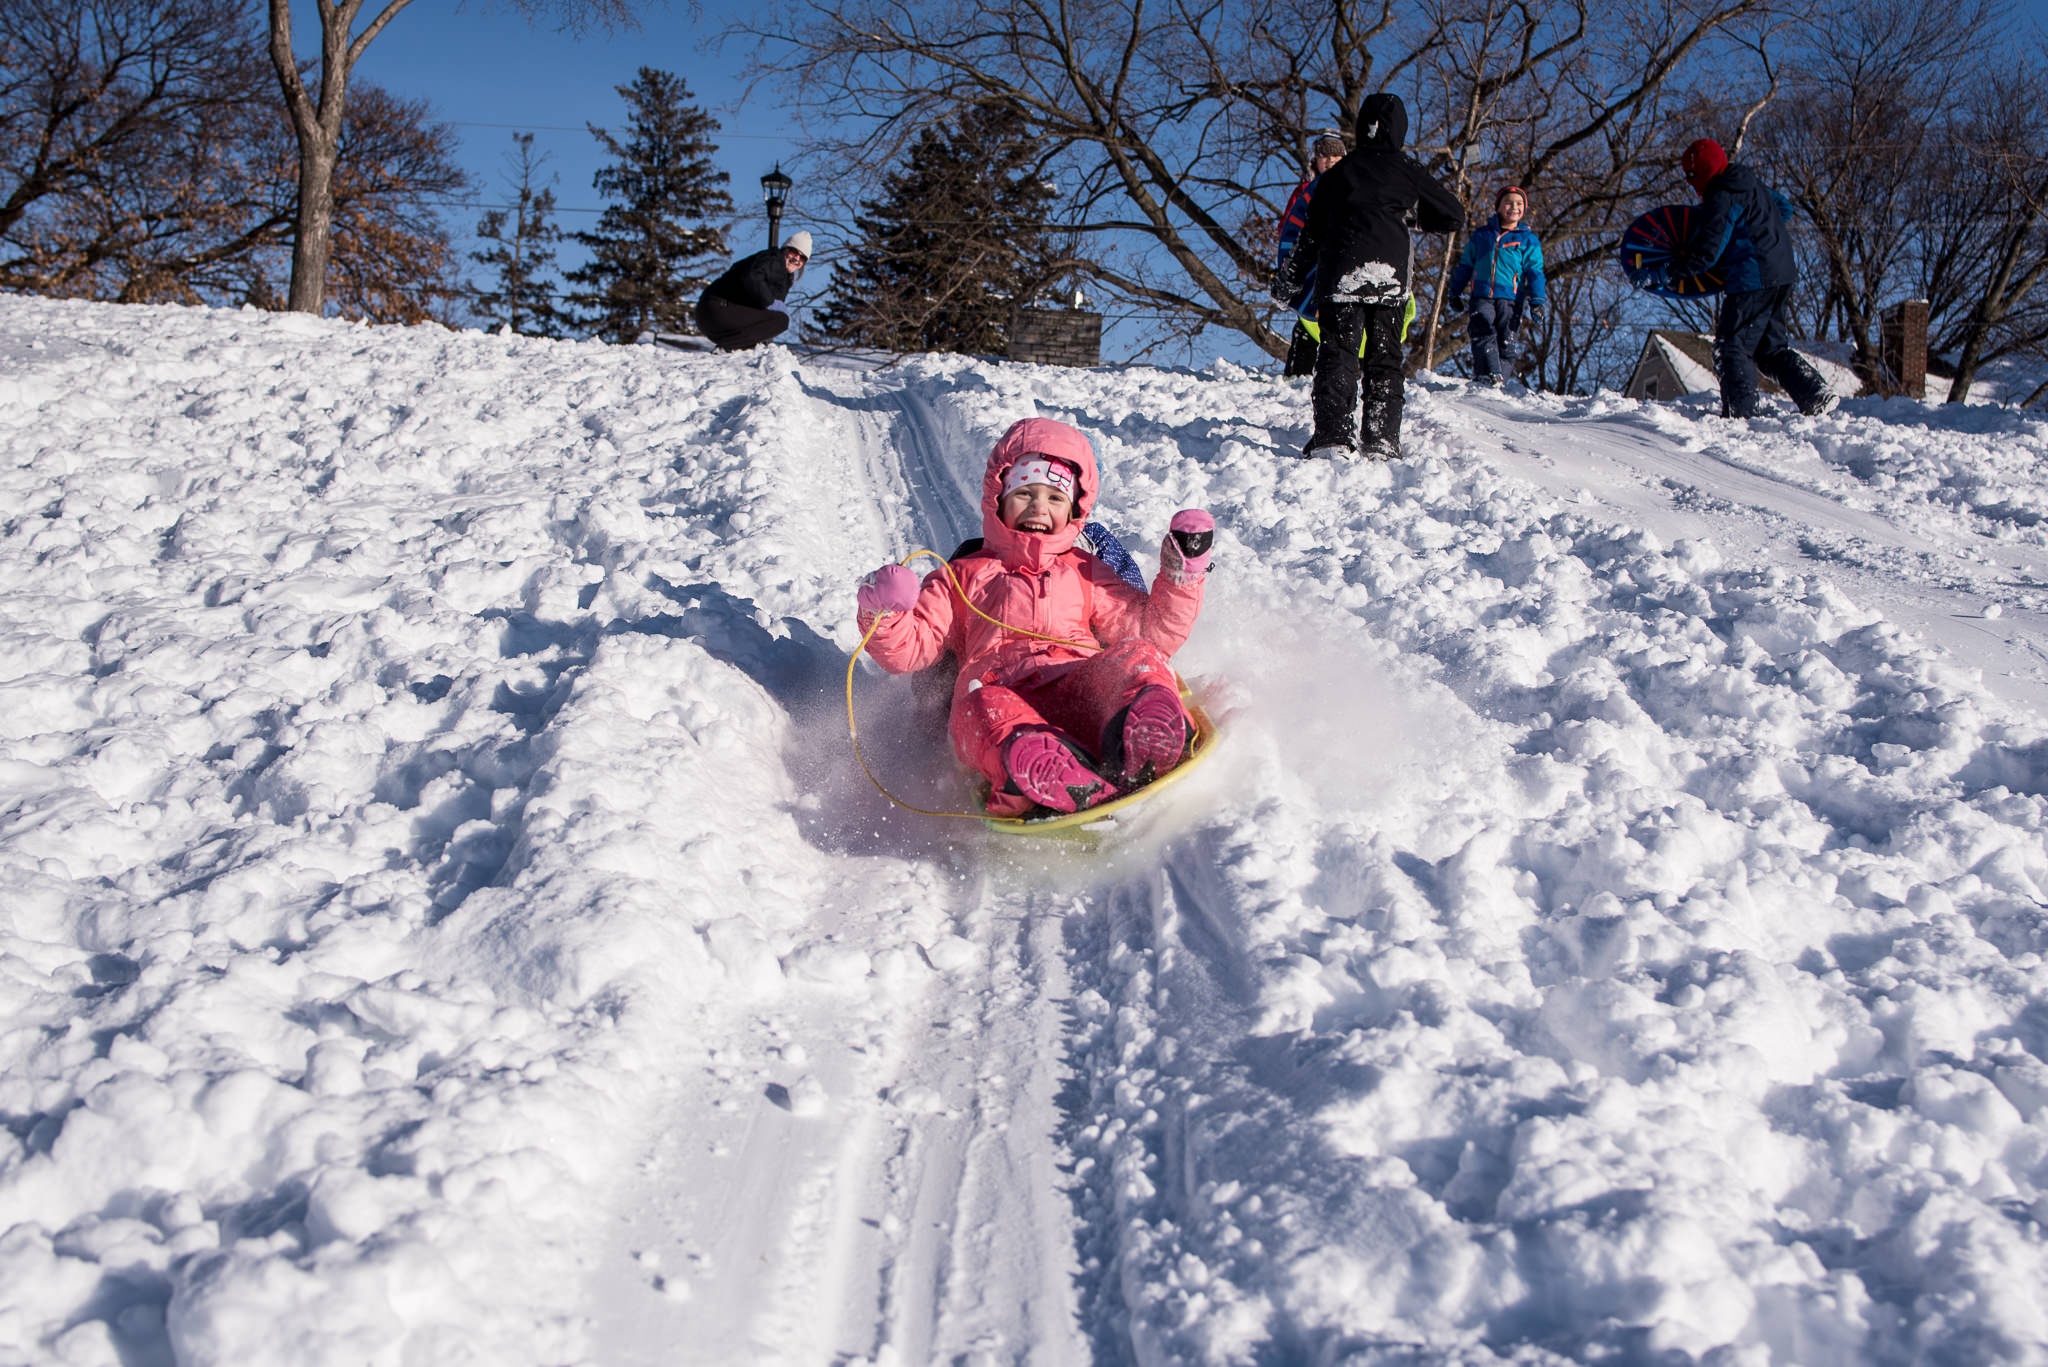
point(775, 190)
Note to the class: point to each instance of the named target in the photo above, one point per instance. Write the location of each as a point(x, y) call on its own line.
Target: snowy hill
point(441, 920)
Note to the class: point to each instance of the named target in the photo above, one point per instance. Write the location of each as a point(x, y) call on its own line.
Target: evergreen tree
point(956, 240)
point(649, 254)
point(520, 294)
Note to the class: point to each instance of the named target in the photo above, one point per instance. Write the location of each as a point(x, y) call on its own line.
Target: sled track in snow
point(945, 512)
point(1027, 1126)
point(985, 1263)
point(943, 496)
point(922, 1215)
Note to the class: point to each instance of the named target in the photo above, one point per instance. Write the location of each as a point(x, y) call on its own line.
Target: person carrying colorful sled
point(1503, 263)
point(1327, 151)
point(1743, 231)
point(1357, 242)
point(1085, 707)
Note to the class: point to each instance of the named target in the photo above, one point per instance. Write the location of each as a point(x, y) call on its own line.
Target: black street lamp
point(775, 189)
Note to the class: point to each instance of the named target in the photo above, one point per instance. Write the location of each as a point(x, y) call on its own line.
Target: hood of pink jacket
point(1035, 437)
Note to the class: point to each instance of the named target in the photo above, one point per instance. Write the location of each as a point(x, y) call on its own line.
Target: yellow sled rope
point(1198, 747)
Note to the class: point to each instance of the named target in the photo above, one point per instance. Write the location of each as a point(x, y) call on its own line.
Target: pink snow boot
point(1050, 770)
point(1155, 734)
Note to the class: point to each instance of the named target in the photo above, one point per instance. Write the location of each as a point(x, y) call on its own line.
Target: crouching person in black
point(1357, 240)
point(733, 311)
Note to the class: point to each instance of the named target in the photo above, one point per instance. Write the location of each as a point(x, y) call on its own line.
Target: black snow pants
point(1494, 325)
point(1343, 377)
point(1750, 333)
point(735, 327)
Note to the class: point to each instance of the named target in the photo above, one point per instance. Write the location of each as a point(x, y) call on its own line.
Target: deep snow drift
point(440, 920)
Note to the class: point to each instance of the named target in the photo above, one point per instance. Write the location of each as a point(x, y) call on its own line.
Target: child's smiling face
point(1036, 508)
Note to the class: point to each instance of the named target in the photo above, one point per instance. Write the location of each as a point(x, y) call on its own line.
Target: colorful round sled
point(1653, 239)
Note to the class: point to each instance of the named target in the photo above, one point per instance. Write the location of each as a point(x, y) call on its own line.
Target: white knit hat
point(801, 241)
point(1053, 474)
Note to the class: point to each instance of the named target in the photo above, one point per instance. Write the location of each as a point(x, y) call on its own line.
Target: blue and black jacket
point(1502, 263)
point(1743, 232)
point(1291, 221)
point(1360, 215)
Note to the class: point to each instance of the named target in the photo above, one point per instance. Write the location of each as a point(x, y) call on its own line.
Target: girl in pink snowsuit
point(1064, 723)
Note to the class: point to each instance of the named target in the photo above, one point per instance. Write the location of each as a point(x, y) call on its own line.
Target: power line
point(562, 128)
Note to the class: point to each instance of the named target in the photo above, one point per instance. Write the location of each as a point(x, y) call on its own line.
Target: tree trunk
point(313, 238)
point(1990, 308)
point(318, 126)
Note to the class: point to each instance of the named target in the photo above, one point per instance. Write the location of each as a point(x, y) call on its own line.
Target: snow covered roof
point(1675, 363)
point(1682, 353)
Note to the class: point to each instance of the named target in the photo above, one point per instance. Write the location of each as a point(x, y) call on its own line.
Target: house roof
point(1690, 356)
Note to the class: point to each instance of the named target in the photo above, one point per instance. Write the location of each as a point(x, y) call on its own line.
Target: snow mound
point(444, 921)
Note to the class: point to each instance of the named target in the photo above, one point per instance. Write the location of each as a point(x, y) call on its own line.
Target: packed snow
point(444, 921)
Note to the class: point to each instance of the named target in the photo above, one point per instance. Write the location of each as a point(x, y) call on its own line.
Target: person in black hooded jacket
point(1357, 238)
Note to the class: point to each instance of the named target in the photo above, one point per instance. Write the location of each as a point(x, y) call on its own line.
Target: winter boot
point(1807, 386)
point(1382, 448)
point(1150, 737)
point(1739, 395)
point(1328, 450)
point(1046, 767)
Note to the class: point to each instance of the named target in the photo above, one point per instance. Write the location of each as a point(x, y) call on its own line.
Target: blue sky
point(491, 74)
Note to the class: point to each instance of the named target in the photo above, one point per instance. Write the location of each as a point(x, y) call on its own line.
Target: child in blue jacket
point(1503, 262)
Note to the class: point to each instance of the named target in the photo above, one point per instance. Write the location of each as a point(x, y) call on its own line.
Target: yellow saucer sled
point(1056, 823)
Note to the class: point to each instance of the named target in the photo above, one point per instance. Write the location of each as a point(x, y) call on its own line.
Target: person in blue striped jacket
point(1327, 151)
point(1503, 263)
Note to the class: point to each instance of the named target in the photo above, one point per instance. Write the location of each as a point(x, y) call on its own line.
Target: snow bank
point(393, 785)
point(420, 788)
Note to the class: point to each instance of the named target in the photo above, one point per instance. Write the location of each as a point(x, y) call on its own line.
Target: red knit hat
point(1702, 162)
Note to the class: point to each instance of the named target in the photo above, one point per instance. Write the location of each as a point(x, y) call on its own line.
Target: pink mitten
point(892, 588)
point(1184, 555)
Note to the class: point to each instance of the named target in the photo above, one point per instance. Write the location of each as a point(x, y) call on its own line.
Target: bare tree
point(319, 115)
point(1176, 130)
point(2005, 300)
point(87, 85)
point(144, 159)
